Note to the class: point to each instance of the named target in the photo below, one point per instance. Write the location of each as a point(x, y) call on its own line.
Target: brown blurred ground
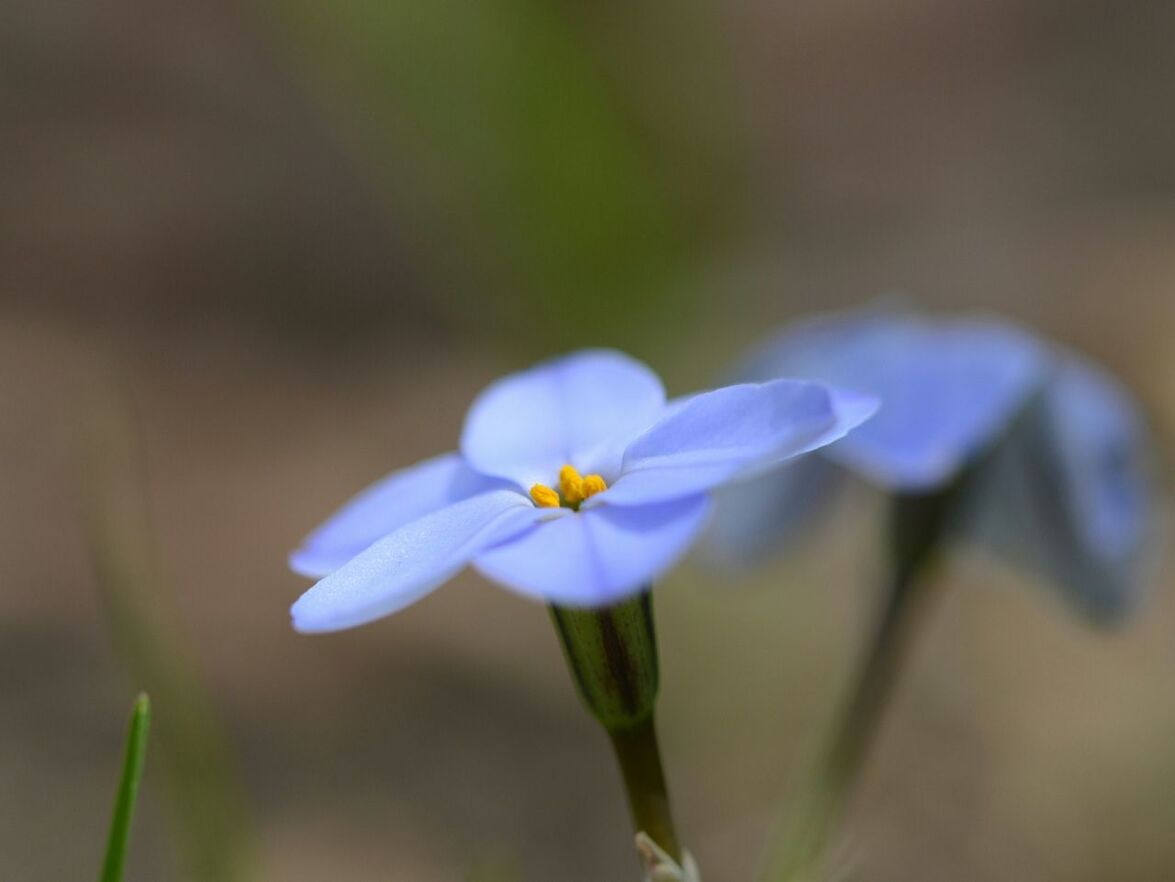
point(187, 221)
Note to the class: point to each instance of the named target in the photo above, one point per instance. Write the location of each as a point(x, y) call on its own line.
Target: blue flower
point(575, 482)
point(1055, 450)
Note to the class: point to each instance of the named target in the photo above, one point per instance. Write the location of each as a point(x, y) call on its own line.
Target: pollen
point(592, 485)
point(544, 496)
point(571, 485)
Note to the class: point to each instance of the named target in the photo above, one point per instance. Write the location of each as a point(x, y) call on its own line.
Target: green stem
point(639, 757)
point(839, 767)
point(611, 653)
point(916, 531)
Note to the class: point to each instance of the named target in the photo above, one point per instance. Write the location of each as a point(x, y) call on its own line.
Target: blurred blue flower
point(575, 483)
point(1055, 453)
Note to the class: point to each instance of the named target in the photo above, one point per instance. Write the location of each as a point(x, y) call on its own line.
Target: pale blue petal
point(948, 388)
point(581, 410)
point(397, 499)
point(597, 556)
point(732, 433)
point(675, 404)
point(1102, 444)
point(413, 560)
point(1067, 495)
point(761, 515)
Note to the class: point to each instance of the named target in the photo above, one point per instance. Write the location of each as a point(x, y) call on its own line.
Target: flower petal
point(391, 502)
point(948, 388)
point(731, 433)
point(413, 560)
point(1067, 494)
point(581, 409)
point(597, 556)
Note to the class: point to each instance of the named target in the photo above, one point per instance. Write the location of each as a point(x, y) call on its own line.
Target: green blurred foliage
point(552, 201)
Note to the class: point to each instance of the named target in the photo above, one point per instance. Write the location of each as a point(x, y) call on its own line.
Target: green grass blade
point(128, 789)
point(191, 753)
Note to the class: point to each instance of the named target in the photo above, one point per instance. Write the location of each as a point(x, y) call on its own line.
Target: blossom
point(1054, 450)
point(576, 482)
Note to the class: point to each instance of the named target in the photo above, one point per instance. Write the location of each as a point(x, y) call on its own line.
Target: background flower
point(1057, 448)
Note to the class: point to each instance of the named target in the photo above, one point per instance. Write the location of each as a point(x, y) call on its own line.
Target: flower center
point(573, 489)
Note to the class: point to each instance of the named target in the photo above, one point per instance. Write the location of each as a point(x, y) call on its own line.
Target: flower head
point(1056, 451)
point(575, 482)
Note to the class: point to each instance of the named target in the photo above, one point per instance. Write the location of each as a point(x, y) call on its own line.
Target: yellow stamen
point(592, 485)
point(571, 485)
point(544, 496)
point(573, 489)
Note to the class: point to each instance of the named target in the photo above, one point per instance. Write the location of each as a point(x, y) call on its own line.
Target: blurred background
point(253, 256)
